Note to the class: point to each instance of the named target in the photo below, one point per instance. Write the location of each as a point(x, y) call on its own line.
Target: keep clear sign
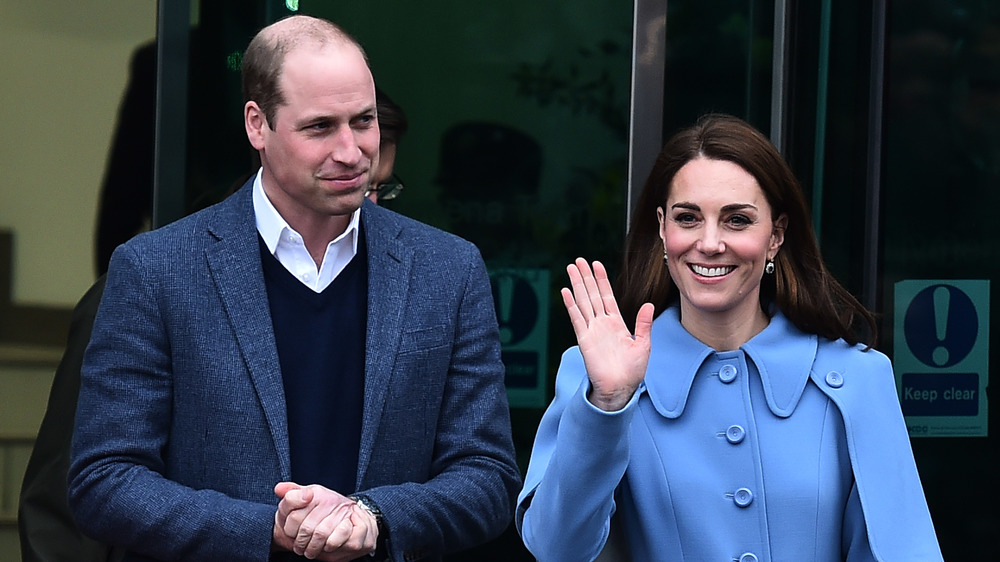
point(521, 297)
point(941, 361)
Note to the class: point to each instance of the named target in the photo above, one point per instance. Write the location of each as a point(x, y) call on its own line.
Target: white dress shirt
point(286, 244)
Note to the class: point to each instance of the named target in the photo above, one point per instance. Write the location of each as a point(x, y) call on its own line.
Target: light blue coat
point(789, 448)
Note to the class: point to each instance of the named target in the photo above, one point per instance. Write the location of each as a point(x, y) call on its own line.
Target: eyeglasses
point(387, 190)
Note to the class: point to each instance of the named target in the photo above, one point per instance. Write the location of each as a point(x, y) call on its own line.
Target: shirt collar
point(271, 225)
point(781, 353)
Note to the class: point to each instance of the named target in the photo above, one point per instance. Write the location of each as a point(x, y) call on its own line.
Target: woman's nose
point(711, 242)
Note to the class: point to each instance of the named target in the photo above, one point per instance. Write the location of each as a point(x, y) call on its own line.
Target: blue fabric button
point(743, 497)
point(834, 379)
point(748, 557)
point(727, 374)
point(735, 434)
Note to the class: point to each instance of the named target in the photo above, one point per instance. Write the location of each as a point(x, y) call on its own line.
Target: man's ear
point(255, 122)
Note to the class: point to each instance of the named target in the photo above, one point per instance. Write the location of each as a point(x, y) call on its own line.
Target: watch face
point(369, 506)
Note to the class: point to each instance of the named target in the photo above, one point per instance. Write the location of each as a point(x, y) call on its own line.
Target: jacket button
point(834, 379)
point(727, 374)
point(748, 557)
point(743, 497)
point(735, 434)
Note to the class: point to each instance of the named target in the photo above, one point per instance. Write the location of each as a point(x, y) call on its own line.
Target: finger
point(315, 529)
point(608, 302)
point(644, 322)
point(293, 523)
point(371, 535)
point(282, 488)
point(292, 509)
point(579, 288)
point(575, 316)
point(298, 506)
point(297, 497)
point(278, 533)
point(340, 534)
point(590, 283)
point(365, 531)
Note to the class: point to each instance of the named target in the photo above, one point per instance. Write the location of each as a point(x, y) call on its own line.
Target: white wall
point(63, 68)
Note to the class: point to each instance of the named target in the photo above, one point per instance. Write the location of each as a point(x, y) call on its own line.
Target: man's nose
point(344, 147)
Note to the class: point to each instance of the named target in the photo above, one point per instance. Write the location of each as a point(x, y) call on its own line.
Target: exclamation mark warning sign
point(941, 356)
point(520, 297)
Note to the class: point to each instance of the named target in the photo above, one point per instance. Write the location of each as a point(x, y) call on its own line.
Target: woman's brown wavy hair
point(801, 286)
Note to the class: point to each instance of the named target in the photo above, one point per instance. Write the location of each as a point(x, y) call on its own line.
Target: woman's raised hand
point(615, 359)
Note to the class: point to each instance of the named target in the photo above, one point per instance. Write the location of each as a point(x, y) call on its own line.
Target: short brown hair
point(264, 57)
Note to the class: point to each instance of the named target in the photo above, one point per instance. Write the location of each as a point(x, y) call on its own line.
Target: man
point(296, 343)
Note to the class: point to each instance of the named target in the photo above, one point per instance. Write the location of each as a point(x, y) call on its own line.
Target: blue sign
point(521, 298)
point(941, 356)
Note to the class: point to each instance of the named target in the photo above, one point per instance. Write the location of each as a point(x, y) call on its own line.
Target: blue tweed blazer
point(181, 430)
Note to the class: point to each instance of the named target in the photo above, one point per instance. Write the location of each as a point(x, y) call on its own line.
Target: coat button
point(735, 434)
point(748, 557)
point(727, 374)
point(834, 379)
point(743, 497)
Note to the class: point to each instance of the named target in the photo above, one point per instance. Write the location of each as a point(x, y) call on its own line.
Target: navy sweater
point(321, 349)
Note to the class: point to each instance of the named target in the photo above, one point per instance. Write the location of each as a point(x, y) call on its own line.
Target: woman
point(744, 420)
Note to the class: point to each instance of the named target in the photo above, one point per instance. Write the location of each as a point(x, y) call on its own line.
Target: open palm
point(616, 360)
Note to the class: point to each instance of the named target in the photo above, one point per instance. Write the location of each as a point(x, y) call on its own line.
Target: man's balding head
point(265, 56)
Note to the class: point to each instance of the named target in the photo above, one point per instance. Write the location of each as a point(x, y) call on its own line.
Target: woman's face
point(718, 233)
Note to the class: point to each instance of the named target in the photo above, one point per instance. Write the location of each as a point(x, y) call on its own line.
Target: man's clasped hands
point(318, 523)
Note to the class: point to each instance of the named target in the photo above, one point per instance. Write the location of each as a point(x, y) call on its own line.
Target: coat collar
point(235, 266)
point(781, 353)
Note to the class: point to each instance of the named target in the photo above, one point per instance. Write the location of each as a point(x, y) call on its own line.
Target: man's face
point(319, 155)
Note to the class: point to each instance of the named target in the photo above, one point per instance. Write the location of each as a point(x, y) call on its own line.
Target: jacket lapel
point(390, 265)
point(235, 266)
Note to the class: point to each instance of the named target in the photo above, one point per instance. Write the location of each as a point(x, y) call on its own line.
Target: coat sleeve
point(885, 473)
point(118, 488)
point(578, 460)
point(467, 495)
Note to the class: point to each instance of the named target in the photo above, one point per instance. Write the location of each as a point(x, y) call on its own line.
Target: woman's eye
point(740, 221)
point(685, 218)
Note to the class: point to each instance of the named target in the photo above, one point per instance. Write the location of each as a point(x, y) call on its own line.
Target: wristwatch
point(371, 507)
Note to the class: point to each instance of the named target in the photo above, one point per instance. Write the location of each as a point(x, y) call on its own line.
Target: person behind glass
point(392, 125)
point(741, 417)
point(295, 371)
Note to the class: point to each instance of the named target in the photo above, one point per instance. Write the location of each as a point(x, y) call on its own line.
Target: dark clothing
point(322, 354)
point(43, 517)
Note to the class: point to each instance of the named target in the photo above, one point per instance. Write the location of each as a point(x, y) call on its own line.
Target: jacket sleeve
point(885, 473)
point(467, 495)
point(578, 460)
point(119, 491)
